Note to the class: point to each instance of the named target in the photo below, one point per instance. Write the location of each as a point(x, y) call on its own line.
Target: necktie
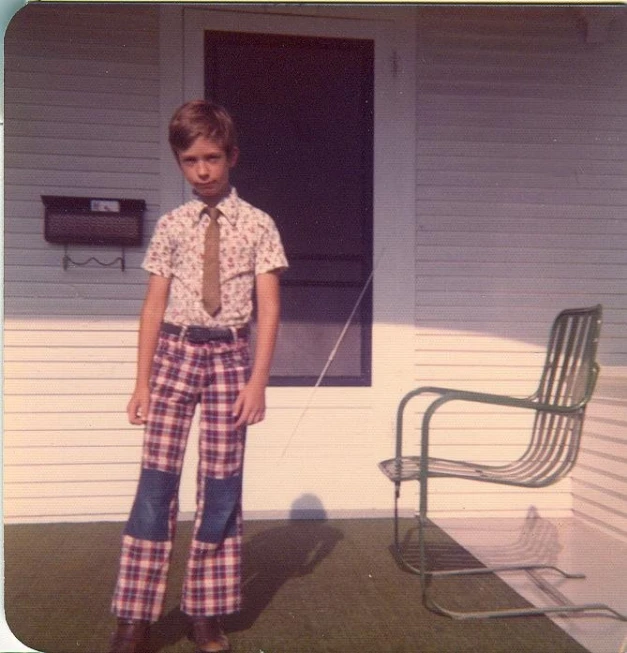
point(211, 264)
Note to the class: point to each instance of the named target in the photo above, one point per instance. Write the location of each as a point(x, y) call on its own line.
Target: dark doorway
point(304, 111)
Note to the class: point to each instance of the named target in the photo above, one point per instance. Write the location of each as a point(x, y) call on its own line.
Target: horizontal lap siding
point(82, 118)
point(600, 478)
point(522, 189)
point(521, 198)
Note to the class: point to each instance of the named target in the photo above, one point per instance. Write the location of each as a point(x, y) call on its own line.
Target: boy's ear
point(233, 157)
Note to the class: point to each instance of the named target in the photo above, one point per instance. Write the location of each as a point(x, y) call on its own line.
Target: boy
point(193, 349)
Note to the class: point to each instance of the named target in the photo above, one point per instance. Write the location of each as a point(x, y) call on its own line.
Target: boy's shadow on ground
point(275, 556)
point(272, 557)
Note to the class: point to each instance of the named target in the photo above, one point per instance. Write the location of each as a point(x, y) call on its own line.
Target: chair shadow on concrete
point(536, 542)
point(272, 556)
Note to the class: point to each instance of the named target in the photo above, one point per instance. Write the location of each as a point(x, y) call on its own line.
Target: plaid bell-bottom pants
point(184, 376)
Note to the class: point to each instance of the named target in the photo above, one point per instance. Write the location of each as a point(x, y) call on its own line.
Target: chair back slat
point(567, 380)
point(569, 372)
point(553, 449)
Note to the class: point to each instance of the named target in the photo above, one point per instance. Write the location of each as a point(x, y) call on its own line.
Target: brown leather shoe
point(208, 636)
point(130, 637)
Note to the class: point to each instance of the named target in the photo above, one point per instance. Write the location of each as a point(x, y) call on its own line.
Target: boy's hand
point(137, 408)
point(250, 405)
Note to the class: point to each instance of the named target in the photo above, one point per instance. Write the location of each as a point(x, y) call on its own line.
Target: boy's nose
point(202, 170)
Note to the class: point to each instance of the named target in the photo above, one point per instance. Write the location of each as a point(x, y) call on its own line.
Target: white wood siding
point(521, 187)
point(521, 195)
point(82, 118)
point(70, 336)
point(600, 478)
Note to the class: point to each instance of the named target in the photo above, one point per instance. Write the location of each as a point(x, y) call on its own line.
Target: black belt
point(199, 335)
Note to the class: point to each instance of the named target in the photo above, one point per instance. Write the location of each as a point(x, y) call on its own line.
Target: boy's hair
point(201, 118)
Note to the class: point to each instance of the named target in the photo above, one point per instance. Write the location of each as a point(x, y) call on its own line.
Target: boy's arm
point(250, 405)
point(149, 324)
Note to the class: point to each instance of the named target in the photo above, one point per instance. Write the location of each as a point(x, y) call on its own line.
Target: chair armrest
point(451, 394)
point(505, 400)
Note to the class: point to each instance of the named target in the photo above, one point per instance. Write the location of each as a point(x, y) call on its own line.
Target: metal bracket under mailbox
point(92, 259)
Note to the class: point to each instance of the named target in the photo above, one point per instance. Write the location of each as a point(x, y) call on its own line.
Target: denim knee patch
point(149, 518)
point(221, 504)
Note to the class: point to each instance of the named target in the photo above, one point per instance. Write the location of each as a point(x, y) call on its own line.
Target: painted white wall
point(66, 392)
point(82, 96)
point(499, 199)
point(600, 478)
point(521, 191)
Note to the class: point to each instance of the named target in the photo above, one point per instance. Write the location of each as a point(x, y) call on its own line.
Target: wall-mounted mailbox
point(93, 221)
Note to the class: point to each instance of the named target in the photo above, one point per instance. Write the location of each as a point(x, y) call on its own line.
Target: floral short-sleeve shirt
point(250, 244)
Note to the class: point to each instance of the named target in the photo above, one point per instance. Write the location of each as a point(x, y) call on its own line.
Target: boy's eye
point(212, 159)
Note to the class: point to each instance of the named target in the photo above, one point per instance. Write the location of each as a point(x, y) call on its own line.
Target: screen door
point(304, 112)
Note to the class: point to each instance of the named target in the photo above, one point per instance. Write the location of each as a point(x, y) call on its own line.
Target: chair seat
point(522, 473)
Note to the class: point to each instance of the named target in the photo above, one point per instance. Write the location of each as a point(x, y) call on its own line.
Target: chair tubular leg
point(522, 612)
point(426, 575)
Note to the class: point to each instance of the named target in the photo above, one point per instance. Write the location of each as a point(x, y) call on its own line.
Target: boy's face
point(206, 167)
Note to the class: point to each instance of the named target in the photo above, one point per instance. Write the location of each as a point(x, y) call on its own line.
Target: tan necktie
point(211, 264)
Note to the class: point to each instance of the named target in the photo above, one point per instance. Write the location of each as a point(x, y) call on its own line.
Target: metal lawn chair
point(566, 385)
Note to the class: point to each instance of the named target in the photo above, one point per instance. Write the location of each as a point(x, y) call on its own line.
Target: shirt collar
point(227, 206)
